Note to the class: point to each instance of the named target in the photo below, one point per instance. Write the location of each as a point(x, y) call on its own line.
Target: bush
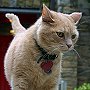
point(85, 86)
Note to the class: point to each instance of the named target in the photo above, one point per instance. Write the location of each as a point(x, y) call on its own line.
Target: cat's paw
point(11, 16)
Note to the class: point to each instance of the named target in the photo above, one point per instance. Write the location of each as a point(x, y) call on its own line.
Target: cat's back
point(16, 51)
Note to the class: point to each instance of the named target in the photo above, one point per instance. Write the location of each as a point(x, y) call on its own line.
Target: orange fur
point(21, 68)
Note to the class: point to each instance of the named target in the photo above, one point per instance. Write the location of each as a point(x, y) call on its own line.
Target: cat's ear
point(46, 14)
point(76, 16)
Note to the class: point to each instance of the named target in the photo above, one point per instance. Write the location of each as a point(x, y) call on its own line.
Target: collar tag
point(47, 59)
point(46, 66)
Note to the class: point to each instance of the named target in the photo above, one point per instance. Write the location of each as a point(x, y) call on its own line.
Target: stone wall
point(69, 69)
point(83, 71)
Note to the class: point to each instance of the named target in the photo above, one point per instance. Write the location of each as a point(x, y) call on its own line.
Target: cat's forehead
point(64, 23)
point(64, 19)
point(63, 16)
point(66, 29)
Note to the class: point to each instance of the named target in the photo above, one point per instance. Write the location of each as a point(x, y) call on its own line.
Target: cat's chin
point(64, 51)
point(69, 49)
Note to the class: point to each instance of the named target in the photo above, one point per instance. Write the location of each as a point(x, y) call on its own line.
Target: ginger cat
point(32, 61)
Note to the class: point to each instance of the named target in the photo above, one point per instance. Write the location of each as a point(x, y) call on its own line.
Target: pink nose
point(69, 45)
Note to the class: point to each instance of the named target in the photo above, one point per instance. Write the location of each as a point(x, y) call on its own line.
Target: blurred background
point(75, 71)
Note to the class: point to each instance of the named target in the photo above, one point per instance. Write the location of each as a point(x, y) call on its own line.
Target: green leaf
point(85, 86)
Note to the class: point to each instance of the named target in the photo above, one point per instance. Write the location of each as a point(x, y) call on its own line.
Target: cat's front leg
point(16, 25)
point(19, 83)
point(56, 88)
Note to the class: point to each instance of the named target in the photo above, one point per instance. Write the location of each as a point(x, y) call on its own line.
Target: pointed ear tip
point(45, 8)
point(44, 5)
point(77, 13)
point(81, 14)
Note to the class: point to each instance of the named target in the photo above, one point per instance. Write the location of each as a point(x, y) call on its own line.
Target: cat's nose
point(69, 45)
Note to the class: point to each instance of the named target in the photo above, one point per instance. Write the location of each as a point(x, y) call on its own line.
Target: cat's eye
point(73, 36)
point(60, 34)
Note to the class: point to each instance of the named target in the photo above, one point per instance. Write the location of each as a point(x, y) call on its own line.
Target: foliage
point(23, 3)
point(85, 86)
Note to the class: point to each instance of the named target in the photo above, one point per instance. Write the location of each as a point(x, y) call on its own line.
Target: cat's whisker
point(54, 50)
point(76, 53)
point(76, 45)
point(50, 52)
point(72, 49)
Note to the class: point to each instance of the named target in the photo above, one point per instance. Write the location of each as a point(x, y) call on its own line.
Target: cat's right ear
point(76, 16)
point(46, 14)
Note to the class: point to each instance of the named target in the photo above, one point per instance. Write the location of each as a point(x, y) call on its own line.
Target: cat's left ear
point(76, 16)
point(47, 14)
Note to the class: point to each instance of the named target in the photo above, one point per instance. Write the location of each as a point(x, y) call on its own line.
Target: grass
point(85, 86)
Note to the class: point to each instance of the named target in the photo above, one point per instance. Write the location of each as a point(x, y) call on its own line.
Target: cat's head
point(57, 31)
